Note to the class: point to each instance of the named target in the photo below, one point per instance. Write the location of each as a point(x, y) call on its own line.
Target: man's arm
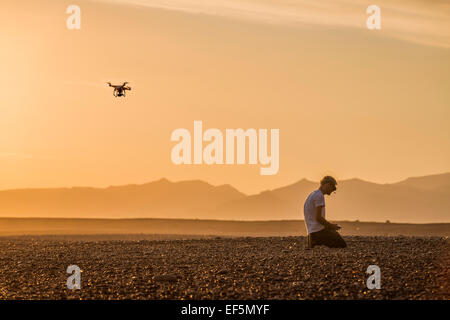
point(323, 221)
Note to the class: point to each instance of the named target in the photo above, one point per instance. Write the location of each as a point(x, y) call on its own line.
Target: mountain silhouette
point(414, 200)
point(428, 182)
point(160, 198)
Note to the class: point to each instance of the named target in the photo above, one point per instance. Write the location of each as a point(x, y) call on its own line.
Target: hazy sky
point(348, 101)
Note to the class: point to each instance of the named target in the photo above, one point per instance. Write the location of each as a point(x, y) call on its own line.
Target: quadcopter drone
point(119, 90)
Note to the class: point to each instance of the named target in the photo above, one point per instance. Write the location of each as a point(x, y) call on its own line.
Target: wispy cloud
point(424, 22)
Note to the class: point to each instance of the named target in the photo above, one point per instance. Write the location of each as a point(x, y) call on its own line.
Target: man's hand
point(334, 226)
point(324, 222)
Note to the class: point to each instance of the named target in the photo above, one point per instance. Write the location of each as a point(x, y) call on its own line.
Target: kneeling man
point(320, 231)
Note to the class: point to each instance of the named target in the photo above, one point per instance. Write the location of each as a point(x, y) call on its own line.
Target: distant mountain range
point(414, 200)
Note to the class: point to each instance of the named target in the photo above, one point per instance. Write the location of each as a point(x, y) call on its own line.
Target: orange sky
point(348, 101)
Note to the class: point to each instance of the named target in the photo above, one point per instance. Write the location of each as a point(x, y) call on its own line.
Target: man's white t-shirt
point(314, 200)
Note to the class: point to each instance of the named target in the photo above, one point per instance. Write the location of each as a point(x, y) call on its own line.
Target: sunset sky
point(348, 101)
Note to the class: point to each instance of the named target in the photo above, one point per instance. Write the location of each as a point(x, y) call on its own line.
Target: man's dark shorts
point(326, 237)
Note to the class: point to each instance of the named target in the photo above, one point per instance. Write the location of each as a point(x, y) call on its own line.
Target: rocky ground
point(223, 268)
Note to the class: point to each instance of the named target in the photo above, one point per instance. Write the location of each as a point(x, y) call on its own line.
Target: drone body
point(119, 90)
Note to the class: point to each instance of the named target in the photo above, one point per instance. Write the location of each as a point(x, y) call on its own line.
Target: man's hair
point(328, 179)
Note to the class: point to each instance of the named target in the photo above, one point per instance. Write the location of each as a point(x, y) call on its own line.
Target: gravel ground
point(224, 268)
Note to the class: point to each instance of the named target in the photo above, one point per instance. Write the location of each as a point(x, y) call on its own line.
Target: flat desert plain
point(208, 266)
